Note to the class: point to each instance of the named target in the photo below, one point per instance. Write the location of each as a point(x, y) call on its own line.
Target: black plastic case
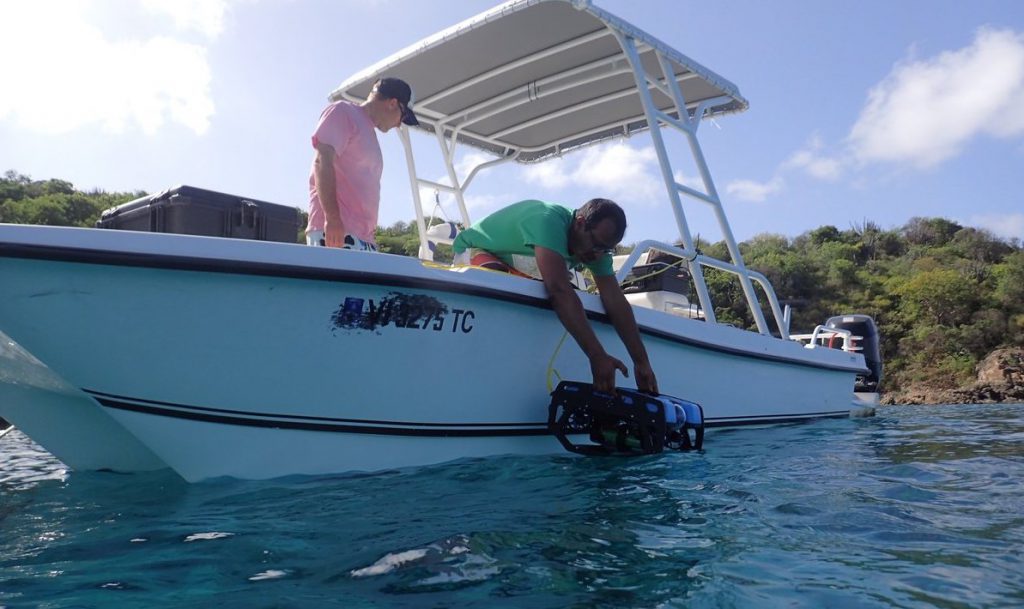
point(186, 210)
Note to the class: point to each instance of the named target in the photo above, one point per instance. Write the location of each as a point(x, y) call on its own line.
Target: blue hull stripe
point(389, 428)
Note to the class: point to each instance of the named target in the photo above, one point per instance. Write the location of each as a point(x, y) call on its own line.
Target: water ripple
point(917, 507)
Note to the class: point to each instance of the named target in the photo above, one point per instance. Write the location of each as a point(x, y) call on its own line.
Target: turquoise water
point(917, 507)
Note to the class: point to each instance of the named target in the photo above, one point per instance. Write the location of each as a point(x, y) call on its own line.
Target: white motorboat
point(227, 357)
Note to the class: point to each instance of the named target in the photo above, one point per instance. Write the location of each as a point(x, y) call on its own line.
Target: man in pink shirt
point(344, 183)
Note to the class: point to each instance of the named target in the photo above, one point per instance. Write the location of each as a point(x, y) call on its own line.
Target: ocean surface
point(916, 507)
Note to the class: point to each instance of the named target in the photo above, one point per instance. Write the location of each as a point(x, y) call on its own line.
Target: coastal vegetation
point(54, 202)
point(945, 296)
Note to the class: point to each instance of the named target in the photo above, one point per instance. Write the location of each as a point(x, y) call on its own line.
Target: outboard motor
point(627, 423)
point(866, 342)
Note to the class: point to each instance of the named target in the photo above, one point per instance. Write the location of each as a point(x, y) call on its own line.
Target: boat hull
point(63, 419)
point(261, 360)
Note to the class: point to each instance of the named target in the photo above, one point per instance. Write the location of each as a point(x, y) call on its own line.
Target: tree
point(403, 238)
point(824, 234)
point(53, 202)
point(940, 297)
point(979, 245)
point(930, 231)
point(1009, 290)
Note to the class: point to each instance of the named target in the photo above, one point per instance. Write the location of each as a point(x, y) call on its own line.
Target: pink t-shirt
point(358, 164)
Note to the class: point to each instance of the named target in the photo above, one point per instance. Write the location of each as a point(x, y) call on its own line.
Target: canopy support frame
point(660, 79)
point(456, 188)
point(657, 118)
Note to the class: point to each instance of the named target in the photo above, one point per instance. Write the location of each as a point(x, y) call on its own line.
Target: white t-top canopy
point(534, 78)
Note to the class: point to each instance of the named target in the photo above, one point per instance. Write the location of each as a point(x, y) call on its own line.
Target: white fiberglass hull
point(256, 360)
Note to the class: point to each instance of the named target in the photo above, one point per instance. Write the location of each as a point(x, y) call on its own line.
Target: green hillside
point(944, 295)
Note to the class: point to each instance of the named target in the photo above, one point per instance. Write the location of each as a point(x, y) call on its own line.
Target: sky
point(870, 111)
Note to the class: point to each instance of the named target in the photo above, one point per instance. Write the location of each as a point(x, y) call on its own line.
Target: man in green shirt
point(541, 240)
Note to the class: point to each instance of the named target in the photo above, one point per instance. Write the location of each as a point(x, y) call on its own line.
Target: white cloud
point(481, 205)
point(432, 199)
point(617, 171)
point(620, 170)
point(552, 174)
point(925, 112)
point(68, 74)
point(812, 160)
point(205, 16)
point(749, 190)
point(694, 182)
point(467, 162)
point(1007, 226)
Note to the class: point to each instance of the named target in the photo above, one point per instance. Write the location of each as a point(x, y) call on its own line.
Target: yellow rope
point(551, 363)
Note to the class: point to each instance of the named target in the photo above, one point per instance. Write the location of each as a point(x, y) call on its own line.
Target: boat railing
point(695, 257)
point(823, 336)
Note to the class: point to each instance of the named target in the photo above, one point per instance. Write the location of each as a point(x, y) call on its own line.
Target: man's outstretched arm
point(570, 312)
point(621, 314)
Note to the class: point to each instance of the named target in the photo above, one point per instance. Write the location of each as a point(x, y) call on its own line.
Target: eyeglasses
point(599, 248)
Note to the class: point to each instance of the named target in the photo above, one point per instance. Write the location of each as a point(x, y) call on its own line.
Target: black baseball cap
point(396, 88)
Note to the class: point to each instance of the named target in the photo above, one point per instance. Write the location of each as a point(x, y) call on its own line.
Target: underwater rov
point(627, 423)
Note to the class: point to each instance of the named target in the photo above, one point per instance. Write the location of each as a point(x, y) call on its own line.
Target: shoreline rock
point(1000, 378)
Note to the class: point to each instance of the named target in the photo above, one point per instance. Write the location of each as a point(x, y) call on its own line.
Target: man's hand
point(645, 379)
point(603, 368)
point(621, 314)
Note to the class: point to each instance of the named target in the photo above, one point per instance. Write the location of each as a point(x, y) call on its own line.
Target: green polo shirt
point(516, 229)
